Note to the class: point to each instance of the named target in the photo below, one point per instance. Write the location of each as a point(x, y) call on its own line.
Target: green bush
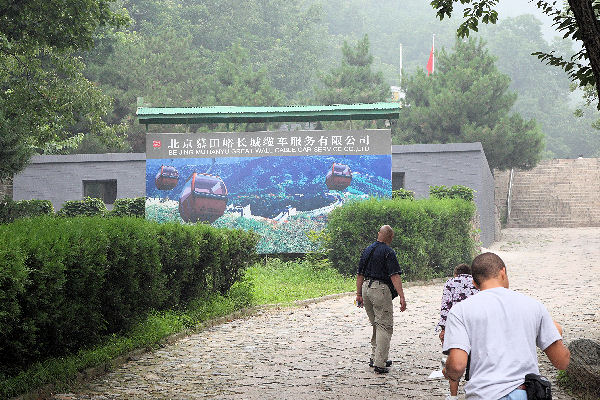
point(126, 207)
point(403, 194)
point(12, 210)
point(431, 235)
point(453, 192)
point(87, 207)
point(68, 282)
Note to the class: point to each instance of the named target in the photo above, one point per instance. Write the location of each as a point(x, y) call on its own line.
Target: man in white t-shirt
point(501, 329)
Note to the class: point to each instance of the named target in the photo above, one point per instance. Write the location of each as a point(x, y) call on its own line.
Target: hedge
point(89, 206)
point(403, 194)
point(68, 282)
point(431, 236)
point(127, 207)
point(452, 192)
point(12, 210)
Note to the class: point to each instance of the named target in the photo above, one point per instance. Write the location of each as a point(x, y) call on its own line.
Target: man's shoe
point(380, 370)
point(388, 363)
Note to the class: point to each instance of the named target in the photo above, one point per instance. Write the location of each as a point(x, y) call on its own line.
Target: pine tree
point(467, 100)
point(353, 81)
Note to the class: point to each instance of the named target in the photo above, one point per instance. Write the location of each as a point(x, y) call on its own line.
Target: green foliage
point(388, 25)
point(431, 237)
point(544, 92)
point(353, 81)
point(403, 194)
point(576, 20)
point(36, 24)
point(86, 207)
point(237, 84)
point(126, 207)
point(274, 282)
point(466, 100)
point(69, 282)
point(453, 192)
point(12, 210)
point(45, 97)
point(203, 53)
point(149, 333)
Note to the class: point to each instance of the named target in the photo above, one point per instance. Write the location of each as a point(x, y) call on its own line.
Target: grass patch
point(272, 282)
point(284, 282)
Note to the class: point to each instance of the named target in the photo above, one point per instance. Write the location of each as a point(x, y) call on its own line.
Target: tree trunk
point(589, 27)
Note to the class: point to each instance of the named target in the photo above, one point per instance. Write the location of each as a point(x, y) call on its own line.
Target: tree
point(237, 84)
point(353, 81)
point(544, 91)
point(44, 94)
point(580, 20)
point(467, 100)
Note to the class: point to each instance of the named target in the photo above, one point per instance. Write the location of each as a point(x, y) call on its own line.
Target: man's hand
point(397, 282)
point(359, 301)
point(446, 376)
point(442, 333)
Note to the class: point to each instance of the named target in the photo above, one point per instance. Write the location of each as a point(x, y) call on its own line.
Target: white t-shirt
point(501, 329)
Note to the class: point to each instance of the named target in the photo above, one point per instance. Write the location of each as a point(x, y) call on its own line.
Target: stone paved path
point(319, 351)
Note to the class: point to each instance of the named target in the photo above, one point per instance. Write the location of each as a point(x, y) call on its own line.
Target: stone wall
point(60, 178)
point(556, 193)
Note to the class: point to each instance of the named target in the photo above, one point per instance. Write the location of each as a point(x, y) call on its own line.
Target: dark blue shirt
point(379, 261)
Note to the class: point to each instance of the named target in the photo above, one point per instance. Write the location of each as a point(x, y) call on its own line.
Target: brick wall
point(556, 193)
point(60, 178)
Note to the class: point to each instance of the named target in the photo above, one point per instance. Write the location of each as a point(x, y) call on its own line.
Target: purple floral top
point(455, 290)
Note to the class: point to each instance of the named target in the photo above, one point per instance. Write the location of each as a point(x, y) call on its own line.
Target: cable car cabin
point(338, 177)
point(166, 178)
point(204, 198)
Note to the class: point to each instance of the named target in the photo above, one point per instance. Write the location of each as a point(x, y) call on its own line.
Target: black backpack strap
point(468, 371)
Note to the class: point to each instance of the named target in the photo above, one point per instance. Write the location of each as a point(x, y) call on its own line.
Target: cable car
point(204, 198)
point(338, 177)
point(166, 178)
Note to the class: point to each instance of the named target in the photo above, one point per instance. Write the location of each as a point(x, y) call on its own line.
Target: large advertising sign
point(280, 184)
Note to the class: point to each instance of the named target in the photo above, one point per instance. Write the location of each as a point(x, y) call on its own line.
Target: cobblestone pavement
point(320, 351)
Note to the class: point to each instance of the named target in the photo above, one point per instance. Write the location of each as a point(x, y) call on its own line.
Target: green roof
point(227, 114)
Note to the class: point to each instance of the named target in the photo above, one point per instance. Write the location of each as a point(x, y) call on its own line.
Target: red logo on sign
point(156, 143)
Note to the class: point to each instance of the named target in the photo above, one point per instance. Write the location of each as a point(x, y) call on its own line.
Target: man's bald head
point(385, 234)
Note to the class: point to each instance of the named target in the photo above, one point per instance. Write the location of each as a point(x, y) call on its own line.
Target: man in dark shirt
point(379, 273)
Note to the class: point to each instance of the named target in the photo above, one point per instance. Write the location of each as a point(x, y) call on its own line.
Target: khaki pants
point(378, 304)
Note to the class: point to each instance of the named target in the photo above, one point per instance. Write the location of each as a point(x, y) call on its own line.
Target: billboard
point(280, 184)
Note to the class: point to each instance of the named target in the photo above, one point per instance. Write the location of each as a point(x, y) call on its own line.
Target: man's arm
point(397, 282)
point(359, 282)
point(456, 364)
point(558, 354)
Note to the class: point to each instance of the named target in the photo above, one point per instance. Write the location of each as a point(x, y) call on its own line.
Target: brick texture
point(557, 193)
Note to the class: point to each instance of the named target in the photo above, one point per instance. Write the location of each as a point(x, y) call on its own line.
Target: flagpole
point(400, 64)
point(433, 51)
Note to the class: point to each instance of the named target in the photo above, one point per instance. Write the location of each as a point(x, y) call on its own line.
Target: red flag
point(430, 62)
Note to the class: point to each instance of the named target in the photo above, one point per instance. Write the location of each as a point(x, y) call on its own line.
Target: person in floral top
point(456, 290)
